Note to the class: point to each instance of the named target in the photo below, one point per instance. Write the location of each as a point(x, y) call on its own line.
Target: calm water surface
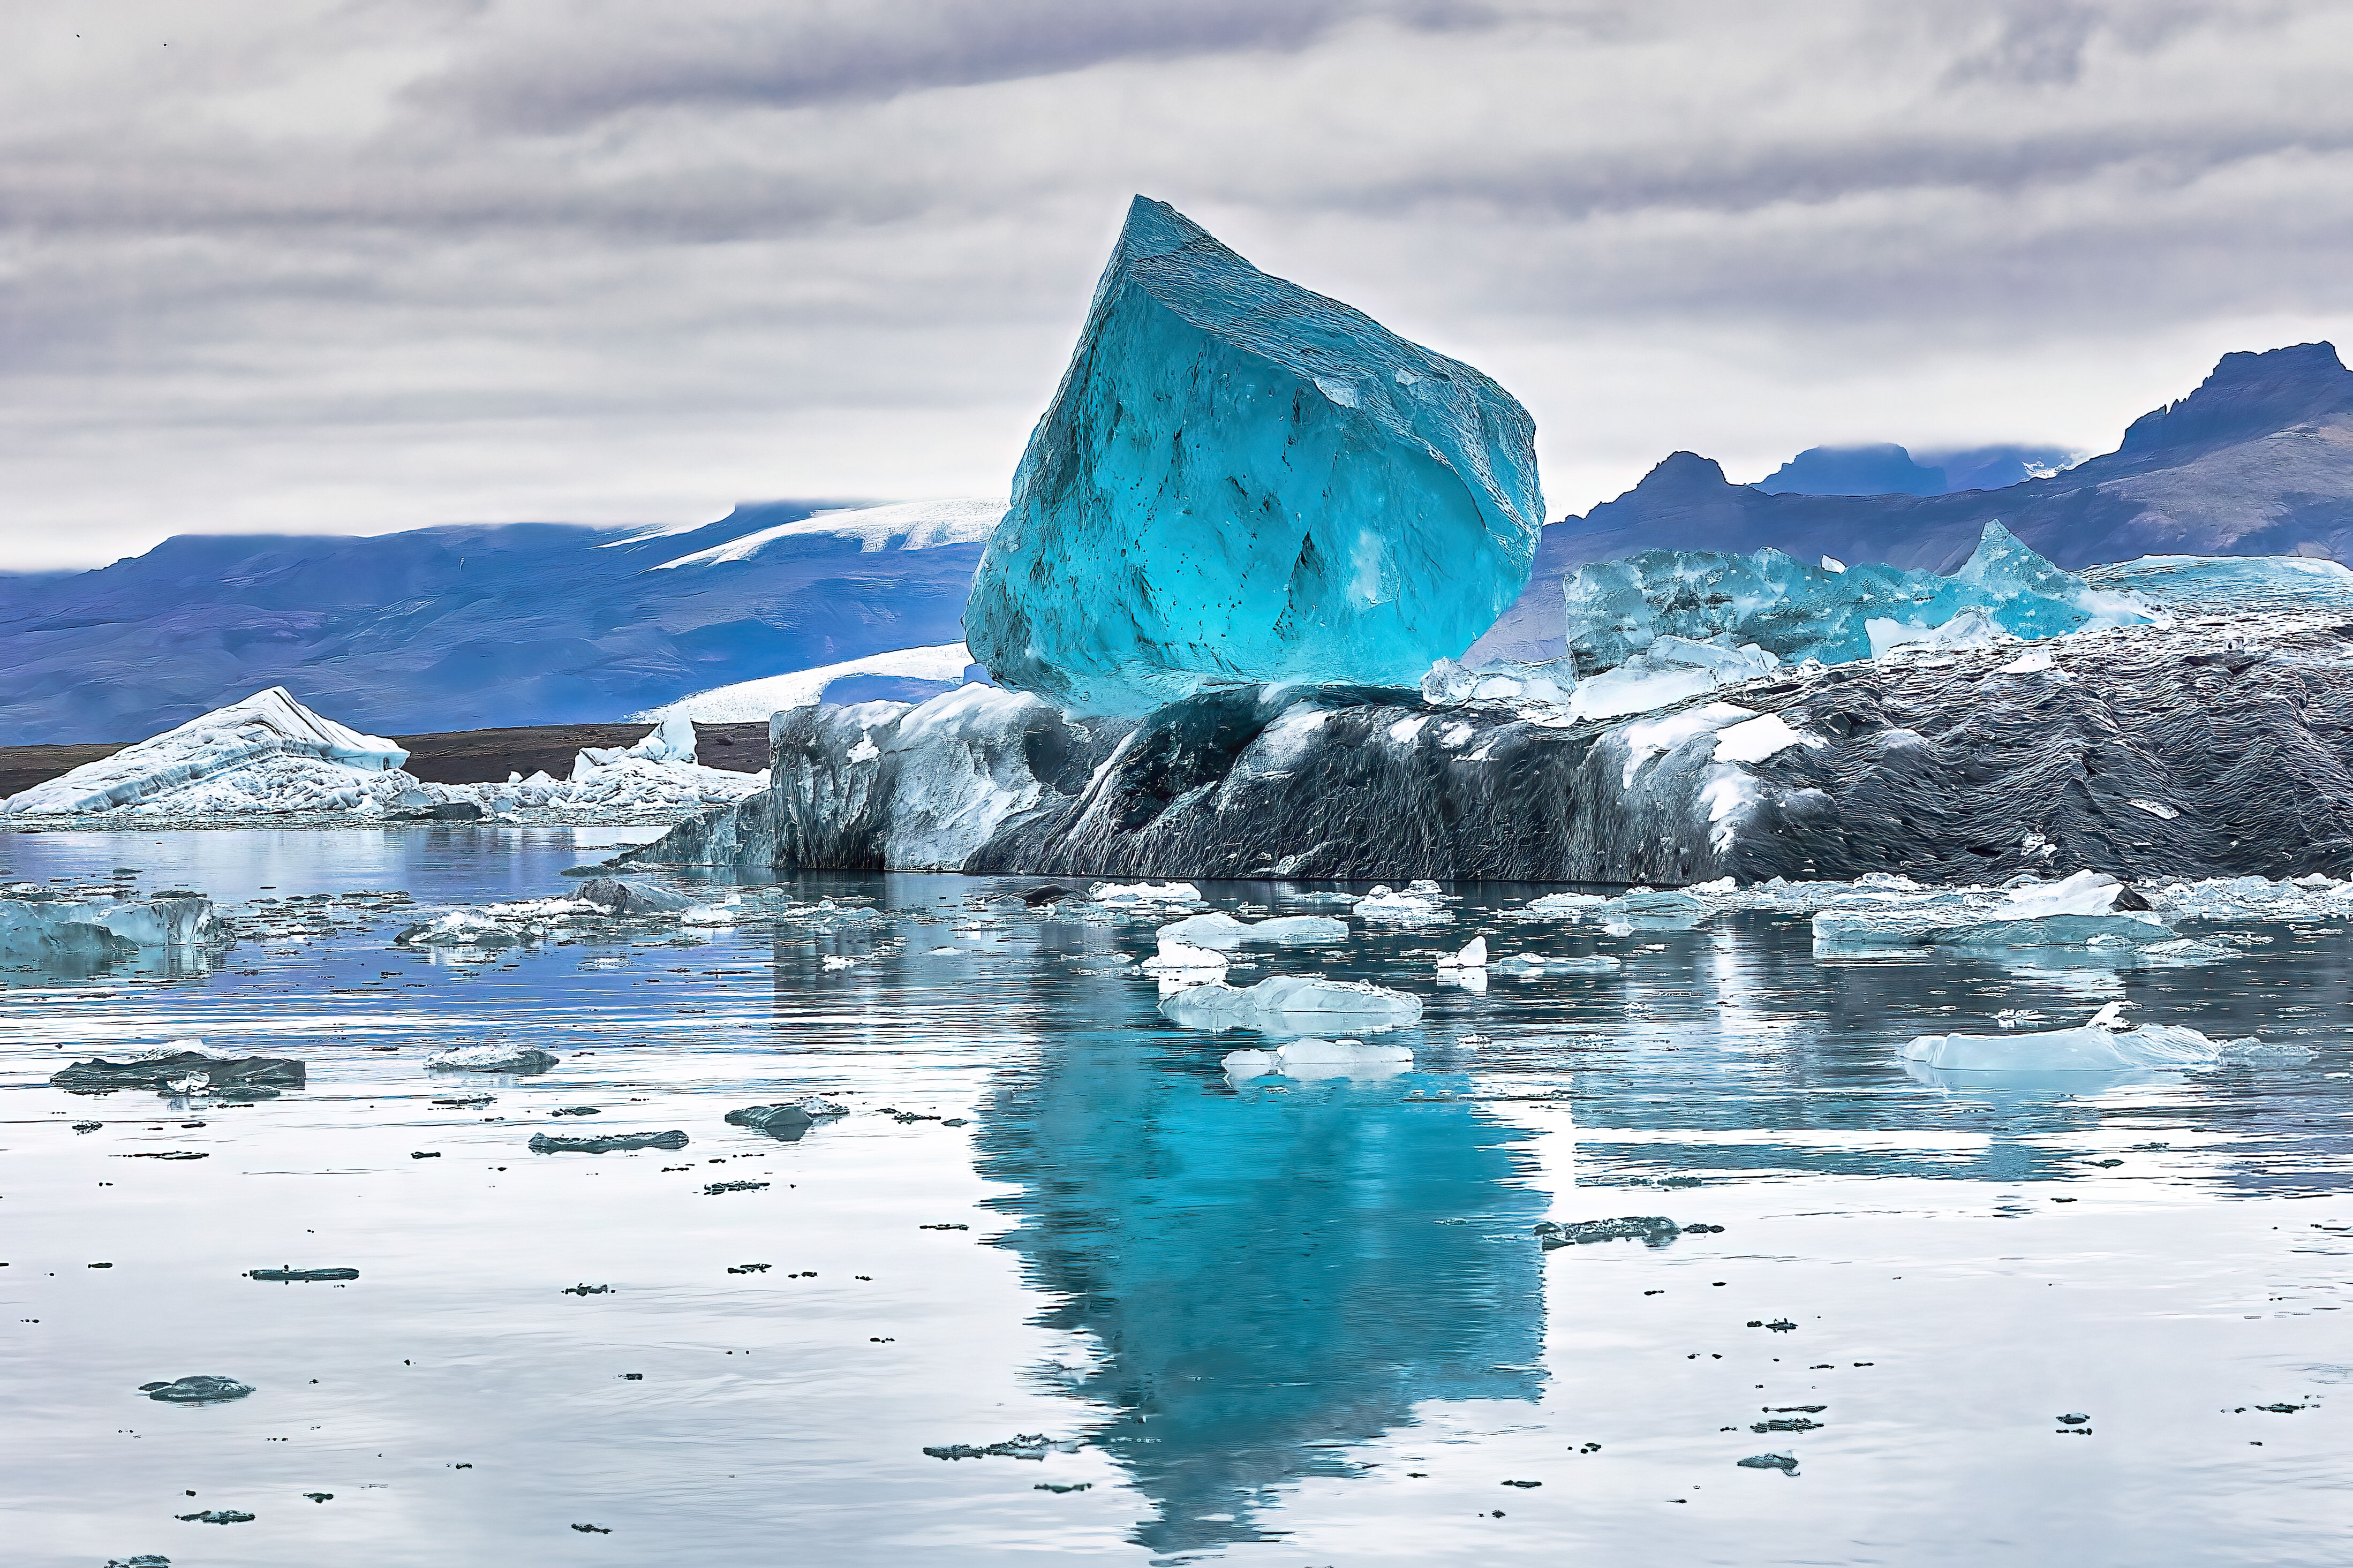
point(1293, 1327)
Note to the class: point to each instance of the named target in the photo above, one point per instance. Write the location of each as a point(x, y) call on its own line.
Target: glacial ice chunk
point(1619, 609)
point(1176, 961)
point(1473, 956)
point(1387, 907)
point(1239, 482)
point(1134, 895)
point(1292, 1004)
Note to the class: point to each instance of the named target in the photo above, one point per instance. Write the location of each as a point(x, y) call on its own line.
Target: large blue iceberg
point(1832, 612)
point(1242, 482)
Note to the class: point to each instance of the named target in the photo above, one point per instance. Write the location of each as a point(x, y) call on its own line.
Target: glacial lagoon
point(1288, 1322)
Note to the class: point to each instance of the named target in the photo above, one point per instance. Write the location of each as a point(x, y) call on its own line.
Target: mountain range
point(2257, 461)
point(477, 627)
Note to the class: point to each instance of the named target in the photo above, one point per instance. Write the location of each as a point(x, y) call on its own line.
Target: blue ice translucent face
point(1617, 608)
point(1240, 481)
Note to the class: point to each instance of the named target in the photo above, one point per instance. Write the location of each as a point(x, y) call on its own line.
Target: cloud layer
point(355, 265)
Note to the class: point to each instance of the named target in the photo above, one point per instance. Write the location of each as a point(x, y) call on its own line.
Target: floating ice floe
point(1670, 908)
point(1291, 1005)
point(491, 1058)
point(1178, 963)
point(1532, 964)
point(1135, 894)
point(1313, 1058)
point(1219, 930)
point(1387, 907)
point(2168, 1048)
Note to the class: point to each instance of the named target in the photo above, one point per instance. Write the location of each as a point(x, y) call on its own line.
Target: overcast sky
point(289, 265)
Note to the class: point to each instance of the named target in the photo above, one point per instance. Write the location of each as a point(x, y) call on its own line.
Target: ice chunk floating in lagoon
point(1240, 481)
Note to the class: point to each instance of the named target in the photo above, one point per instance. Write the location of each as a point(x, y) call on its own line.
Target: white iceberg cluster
point(270, 757)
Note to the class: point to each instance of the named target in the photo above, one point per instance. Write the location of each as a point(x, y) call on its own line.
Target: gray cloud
point(378, 265)
point(792, 56)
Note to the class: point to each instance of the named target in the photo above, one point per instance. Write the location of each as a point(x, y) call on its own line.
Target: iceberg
point(1240, 482)
point(268, 727)
point(1618, 609)
point(1292, 1004)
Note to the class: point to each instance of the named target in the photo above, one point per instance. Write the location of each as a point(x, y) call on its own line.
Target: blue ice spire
point(1239, 482)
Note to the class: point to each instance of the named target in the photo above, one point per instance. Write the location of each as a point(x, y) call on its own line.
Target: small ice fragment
point(1833, 564)
point(1785, 1463)
point(547, 1143)
point(1473, 956)
point(2031, 662)
point(1653, 1230)
point(1117, 894)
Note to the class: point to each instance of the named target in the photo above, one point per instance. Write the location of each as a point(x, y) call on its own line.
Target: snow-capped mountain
point(476, 625)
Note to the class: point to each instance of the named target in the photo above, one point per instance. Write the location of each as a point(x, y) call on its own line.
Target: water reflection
point(1273, 1277)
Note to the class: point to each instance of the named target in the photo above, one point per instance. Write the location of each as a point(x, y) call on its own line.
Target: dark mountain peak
point(2249, 395)
point(1683, 475)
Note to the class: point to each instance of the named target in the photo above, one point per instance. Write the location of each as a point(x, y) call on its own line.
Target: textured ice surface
point(1386, 906)
point(1179, 960)
point(1240, 481)
point(2089, 1048)
point(52, 927)
point(2206, 583)
point(1473, 955)
point(491, 1058)
point(1616, 609)
point(1313, 1059)
point(1292, 1004)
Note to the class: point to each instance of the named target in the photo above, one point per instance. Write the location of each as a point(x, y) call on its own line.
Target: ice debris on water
point(200, 1390)
point(288, 1274)
point(1785, 1463)
point(145, 1559)
point(217, 1516)
point(1651, 1230)
point(1533, 965)
point(609, 1143)
point(1239, 482)
point(1291, 1005)
point(1024, 1445)
point(1618, 609)
point(1311, 1059)
point(491, 1058)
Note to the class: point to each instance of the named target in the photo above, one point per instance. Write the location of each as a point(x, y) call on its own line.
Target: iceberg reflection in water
point(1055, 1284)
